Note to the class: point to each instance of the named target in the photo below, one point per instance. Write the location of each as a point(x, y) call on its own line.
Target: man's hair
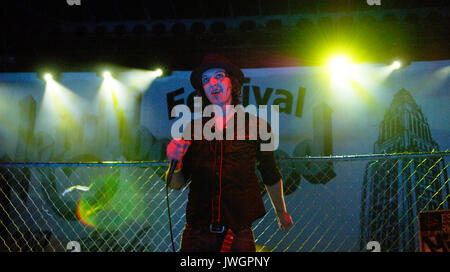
point(235, 92)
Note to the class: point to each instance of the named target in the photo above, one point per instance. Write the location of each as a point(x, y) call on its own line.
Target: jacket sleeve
point(265, 162)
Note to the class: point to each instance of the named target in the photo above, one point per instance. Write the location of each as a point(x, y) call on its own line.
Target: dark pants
point(202, 240)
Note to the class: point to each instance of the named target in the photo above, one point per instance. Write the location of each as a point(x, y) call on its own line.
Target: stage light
point(340, 69)
point(396, 65)
point(140, 79)
point(48, 77)
point(107, 74)
point(339, 66)
point(341, 72)
point(108, 71)
point(61, 109)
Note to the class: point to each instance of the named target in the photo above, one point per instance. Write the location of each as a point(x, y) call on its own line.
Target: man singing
point(224, 195)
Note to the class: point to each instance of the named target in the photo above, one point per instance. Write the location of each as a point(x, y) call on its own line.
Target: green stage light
point(339, 66)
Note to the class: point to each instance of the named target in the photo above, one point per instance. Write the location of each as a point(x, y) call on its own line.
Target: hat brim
point(196, 75)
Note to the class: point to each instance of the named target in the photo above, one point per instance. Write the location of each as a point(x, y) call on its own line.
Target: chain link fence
point(338, 203)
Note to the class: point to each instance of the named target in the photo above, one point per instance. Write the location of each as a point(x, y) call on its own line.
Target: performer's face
point(217, 86)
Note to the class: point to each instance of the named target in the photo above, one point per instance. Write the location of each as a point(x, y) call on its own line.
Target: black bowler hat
point(215, 61)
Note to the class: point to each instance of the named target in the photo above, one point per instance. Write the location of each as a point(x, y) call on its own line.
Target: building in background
point(395, 191)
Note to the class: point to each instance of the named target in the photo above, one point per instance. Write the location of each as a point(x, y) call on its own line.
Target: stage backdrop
point(77, 117)
point(80, 118)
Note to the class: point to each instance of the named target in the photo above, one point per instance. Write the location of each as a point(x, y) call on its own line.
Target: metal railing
point(338, 203)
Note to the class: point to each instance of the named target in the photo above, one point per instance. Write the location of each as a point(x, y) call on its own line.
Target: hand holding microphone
point(175, 152)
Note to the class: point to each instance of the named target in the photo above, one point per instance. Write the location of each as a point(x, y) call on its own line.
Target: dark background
point(175, 34)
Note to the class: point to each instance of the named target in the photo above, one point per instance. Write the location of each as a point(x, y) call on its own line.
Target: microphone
point(172, 167)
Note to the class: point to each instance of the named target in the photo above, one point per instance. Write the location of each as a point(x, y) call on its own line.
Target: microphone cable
point(172, 166)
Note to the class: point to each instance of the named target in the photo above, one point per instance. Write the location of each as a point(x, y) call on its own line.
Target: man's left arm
point(276, 196)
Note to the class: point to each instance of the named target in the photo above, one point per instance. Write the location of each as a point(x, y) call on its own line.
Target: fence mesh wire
point(338, 203)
